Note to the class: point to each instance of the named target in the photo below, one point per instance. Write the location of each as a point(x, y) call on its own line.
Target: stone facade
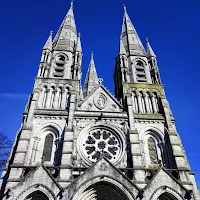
point(85, 144)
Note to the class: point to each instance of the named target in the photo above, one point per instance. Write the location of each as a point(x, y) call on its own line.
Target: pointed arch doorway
point(167, 196)
point(103, 191)
point(37, 195)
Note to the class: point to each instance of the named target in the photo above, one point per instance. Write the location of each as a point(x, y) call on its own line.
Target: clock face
point(101, 141)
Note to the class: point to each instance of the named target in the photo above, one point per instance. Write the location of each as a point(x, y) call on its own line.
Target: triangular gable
point(163, 179)
point(39, 176)
point(102, 171)
point(100, 100)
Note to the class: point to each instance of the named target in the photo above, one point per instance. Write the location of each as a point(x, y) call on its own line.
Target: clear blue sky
point(171, 26)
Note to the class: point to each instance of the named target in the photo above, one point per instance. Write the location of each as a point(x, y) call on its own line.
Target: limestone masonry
point(79, 143)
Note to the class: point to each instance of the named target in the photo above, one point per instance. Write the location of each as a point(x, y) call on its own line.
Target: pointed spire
point(48, 44)
point(78, 45)
point(150, 52)
point(91, 81)
point(130, 38)
point(66, 35)
point(122, 50)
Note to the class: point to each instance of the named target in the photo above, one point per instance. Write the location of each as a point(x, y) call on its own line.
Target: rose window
point(101, 141)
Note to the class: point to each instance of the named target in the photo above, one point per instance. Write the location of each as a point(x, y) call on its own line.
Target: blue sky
point(171, 26)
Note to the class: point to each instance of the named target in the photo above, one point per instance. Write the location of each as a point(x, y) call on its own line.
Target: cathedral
point(83, 143)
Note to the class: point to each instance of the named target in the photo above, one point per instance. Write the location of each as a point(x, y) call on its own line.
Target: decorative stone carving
point(88, 106)
point(100, 101)
point(113, 107)
point(103, 167)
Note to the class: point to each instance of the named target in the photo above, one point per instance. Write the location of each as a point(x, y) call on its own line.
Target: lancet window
point(48, 146)
point(153, 155)
point(154, 148)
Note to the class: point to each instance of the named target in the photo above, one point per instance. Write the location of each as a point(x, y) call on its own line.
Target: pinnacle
point(150, 52)
point(48, 44)
point(91, 81)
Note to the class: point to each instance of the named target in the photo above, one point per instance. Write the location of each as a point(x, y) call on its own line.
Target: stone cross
point(100, 81)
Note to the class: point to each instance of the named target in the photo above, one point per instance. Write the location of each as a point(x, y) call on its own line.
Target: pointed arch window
point(153, 154)
point(48, 146)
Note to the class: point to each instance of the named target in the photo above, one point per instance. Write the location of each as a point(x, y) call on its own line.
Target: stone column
point(154, 104)
point(55, 102)
point(41, 97)
point(52, 98)
point(65, 96)
point(140, 102)
point(147, 103)
point(48, 101)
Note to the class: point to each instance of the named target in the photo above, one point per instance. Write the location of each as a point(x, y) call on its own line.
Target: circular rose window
point(101, 141)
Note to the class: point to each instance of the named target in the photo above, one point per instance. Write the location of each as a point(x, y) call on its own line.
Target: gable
point(100, 100)
point(102, 172)
point(163, 181)
point(38, 178)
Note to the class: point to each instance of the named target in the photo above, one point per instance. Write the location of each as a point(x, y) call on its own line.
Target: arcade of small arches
point(54, 98)
point(146, 102)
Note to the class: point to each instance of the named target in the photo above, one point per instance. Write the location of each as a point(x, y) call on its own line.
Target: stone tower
point(76, 144)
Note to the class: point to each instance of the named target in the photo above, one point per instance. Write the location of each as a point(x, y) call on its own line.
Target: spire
point(150, 52)
point(48, 44)
point(122, 50)
point(66, 35)
point(91, 80)
point(78, 45)
point(130, 38)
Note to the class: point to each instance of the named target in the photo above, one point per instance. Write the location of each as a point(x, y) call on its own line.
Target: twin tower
point(79, 143)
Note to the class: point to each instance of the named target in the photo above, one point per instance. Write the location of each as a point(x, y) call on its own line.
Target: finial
point(51, 32)
point(124, 7)
point(147, 39)
point(100, 80)
point(92, 55)
point(72, 3)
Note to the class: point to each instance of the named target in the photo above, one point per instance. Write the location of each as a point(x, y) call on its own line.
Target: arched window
point(37, 195)
point(48, 146)
point(140, 71)
point(153, 154)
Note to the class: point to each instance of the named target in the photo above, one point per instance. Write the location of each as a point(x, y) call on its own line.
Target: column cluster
point(54, 97)
point(146, 102)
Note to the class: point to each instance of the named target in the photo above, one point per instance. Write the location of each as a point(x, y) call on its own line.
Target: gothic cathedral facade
point(79, 143)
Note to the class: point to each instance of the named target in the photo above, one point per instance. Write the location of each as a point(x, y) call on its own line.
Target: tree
point(5, 146)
